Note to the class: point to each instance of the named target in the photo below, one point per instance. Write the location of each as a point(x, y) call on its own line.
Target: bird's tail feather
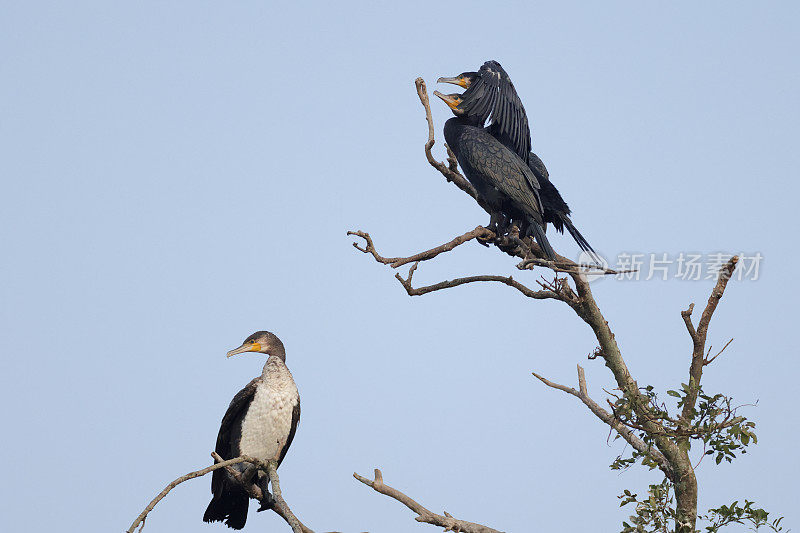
point(228, 507)
point(580, 239)
point(537, 232)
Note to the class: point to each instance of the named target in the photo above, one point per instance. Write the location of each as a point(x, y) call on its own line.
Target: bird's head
point(452, 101)
point(261, 342)
point(463, 80)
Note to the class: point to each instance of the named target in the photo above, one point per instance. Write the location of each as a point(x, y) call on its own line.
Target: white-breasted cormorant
point(490, 94)
point(500, 177)
point(260, 422)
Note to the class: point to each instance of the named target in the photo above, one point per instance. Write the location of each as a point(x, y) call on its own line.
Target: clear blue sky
point(178, 175)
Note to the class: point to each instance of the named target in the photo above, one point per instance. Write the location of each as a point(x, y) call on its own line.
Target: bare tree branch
point(699, 338)
point(423, 514)
point(510, 244)
point(583, 395)
point(395, 262)
point(506, 280)
point(281, 508)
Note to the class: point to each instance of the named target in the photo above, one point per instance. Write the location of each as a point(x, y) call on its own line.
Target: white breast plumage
point(268, 421)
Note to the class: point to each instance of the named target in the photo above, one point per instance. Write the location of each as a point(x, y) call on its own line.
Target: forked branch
point(626, 433)
point(699, 337)
point(423, 514)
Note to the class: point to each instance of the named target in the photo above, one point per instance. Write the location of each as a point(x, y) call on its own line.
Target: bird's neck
point(274, 362)
point(453, 129)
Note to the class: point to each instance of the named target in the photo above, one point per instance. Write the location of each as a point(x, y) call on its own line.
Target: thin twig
point(708, 360)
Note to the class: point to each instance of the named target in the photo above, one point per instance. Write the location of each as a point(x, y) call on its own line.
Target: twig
point(708, 361)
point(423, 514)
point(583, 395)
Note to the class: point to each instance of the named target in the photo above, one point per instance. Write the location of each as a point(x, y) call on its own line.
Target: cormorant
point(501, 178)
point(260, 422)
point(491, 94)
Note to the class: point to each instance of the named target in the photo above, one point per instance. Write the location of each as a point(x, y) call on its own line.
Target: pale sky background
point(177, 175)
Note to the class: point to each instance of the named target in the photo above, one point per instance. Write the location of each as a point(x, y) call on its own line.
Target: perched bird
point(260, 422)
point(490, 94)
point(499, 176)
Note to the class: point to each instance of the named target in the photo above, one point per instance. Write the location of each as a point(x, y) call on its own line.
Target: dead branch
point(511, 244)
point(709, 360)
point(423, 514)
point(506, 280)
point(583, 395)
point(281, 508)
point(394, 262)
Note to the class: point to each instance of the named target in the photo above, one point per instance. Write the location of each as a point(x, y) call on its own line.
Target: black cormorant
point(491, 94)
point(260, 422)
point(501, 178)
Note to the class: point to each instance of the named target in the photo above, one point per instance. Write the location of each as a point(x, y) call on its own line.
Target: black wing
point(480, 99)
point(230, 430)
point(502, 169)
point(537, 165)
point(492, 94)
point(290, 438)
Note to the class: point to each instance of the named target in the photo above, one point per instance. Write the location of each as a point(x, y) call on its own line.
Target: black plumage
point(501, 179)
point(490, 95)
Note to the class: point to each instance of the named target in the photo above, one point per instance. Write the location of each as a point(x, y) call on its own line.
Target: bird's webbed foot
point(498, 224)
point(267, 501)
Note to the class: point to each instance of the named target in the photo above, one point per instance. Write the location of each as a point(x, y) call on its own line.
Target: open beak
point(448, 99)
point(252, 347)
point(461, 82)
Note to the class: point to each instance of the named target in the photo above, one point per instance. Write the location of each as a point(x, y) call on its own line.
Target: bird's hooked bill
point(247, 347)
point(452, 100)
point(457, 80)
